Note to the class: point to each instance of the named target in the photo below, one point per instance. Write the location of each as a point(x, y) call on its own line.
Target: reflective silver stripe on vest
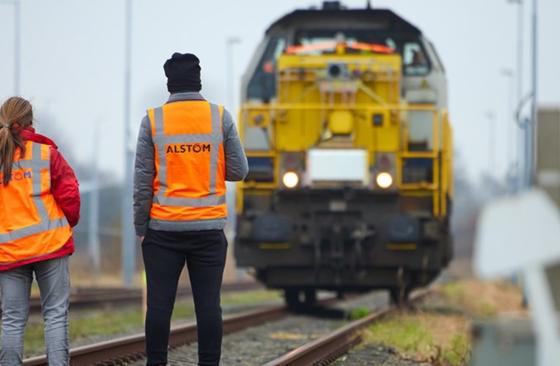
point(215, 138)
point(43, 226)
point(191, 202)
point(45, 223)
point(30, 164)
point(187, 225)
point(36, 176)
point(181, 139)
point(162, 170)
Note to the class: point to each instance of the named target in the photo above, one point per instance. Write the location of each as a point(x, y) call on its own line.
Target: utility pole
point(520, 135)
point(231, 104)
point(17, 46)
point(128, 240)
point(491, 117)
point(230, 71)
point(520, 34)
point(528, 126)
point(93, 233)
point(510, 116)
point(531, 178)
point(17, 43)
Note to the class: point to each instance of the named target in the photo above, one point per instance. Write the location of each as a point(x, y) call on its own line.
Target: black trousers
point(165, 254)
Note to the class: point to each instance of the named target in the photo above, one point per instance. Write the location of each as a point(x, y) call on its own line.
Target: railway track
point(130, 348)
point(330, 347)
point(321, 351)
point(88, 298)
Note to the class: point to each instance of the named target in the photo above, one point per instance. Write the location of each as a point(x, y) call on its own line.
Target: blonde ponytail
point(15, 113)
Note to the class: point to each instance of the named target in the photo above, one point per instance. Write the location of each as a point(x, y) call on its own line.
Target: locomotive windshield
point(415, 61)
point(263, 84)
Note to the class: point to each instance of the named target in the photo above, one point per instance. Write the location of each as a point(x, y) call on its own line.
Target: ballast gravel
point(258, 345)
point(375, 356)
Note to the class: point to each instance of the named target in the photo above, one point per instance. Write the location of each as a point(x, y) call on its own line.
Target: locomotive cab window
point(415, 60)
point(263, 82)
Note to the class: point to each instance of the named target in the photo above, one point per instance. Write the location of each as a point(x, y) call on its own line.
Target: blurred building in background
point(548, 151)
point(548, 176)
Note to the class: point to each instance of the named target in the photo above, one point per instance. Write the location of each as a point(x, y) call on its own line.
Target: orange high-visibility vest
point(31, 222)
point(189, 183)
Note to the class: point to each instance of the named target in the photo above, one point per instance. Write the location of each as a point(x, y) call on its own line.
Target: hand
point(141, 238)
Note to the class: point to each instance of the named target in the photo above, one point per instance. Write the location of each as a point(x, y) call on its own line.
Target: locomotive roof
point(376, 19)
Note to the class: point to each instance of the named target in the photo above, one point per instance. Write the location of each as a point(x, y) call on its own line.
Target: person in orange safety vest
point(187, 149)
point(39, 203)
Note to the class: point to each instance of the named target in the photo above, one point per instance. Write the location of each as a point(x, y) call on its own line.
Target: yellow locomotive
point(349, 144)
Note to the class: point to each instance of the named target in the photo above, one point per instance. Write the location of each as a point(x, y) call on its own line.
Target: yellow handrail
point(440, 152)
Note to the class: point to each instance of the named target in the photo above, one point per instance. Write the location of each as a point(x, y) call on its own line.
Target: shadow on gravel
point(322, 312)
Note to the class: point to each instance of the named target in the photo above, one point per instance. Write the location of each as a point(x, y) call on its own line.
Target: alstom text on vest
point(18, 175)
point(187, 148)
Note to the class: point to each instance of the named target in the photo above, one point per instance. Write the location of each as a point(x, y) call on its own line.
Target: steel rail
point(130, 348)
point(88, 298)
point(330, 347)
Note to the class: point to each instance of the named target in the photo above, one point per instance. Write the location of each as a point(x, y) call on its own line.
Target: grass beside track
point(117, 321)
point(427, 337)
point(438, 331)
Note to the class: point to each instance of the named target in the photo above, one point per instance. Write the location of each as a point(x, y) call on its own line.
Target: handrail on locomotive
point(258, 112)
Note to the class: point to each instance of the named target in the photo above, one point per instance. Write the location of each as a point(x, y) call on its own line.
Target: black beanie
point(183, 73)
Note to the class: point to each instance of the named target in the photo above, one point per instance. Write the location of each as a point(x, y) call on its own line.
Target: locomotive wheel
point(448, 252)
point(291, 296)
point(310, 297)
point(400, 295)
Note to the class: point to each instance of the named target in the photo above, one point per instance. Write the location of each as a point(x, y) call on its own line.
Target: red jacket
point(64, 188)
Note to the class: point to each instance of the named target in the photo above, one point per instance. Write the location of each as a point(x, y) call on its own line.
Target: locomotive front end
point(350, 188)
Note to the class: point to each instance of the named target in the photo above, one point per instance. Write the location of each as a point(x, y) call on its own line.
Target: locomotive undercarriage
point(341, 240)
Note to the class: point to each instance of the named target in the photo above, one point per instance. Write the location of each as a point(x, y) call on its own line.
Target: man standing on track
point(187, 149)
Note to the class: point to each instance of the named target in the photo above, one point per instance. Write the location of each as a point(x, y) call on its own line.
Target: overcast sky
point(73, 61)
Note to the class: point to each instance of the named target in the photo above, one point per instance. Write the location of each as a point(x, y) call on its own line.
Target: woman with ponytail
point(39, 204)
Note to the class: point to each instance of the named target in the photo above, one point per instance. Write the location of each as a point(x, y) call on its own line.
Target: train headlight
point(290, 179)
point(384, 180)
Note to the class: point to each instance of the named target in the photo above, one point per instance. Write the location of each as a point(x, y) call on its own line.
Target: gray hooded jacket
point(144, 173)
